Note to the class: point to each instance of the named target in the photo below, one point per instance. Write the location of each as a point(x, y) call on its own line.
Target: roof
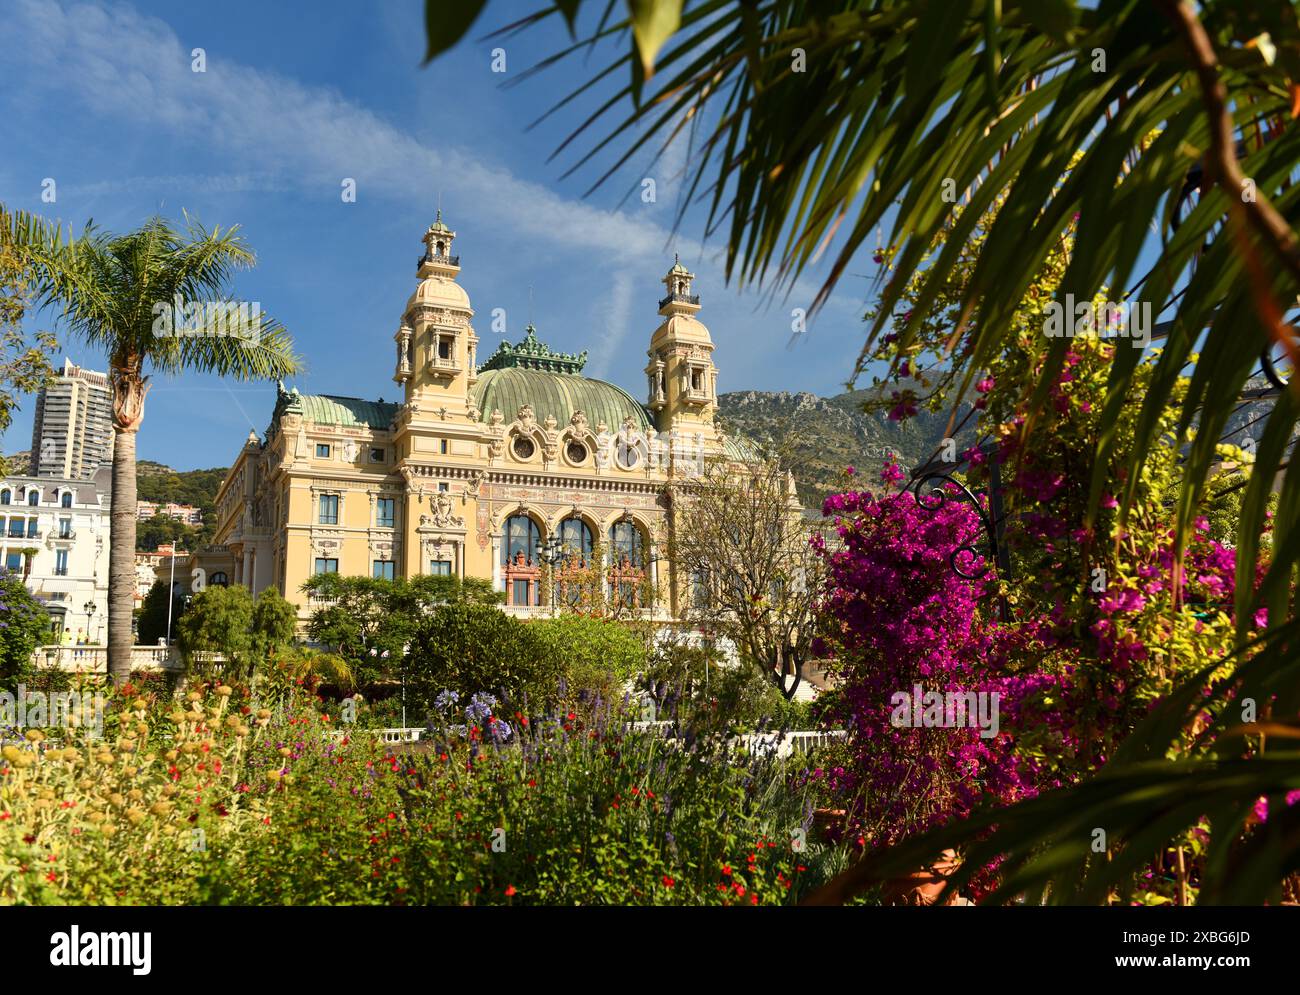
point(558, 395)
point(331, 409)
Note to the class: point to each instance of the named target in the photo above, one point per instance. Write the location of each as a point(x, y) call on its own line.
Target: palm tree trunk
point(121, 557)
point(129, 391)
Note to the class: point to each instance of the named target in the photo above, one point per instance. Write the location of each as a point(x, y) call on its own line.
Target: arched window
point(219, 579)
point(625, 542)
point(5, 497)
point(67, 499)
point(521, 536)
point(34, 498)
point(576, 536)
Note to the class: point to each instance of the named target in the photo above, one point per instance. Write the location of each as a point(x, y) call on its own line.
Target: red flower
point(726, 869)
point(668, 882)
point(510, 891)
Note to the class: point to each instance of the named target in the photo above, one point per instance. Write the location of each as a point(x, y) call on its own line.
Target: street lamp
point(89, 609)
point(550, 553)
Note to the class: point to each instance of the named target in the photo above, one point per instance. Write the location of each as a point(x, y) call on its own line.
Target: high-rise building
point(72, 434)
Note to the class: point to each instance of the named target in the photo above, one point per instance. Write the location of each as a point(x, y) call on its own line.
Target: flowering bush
point(220, 799)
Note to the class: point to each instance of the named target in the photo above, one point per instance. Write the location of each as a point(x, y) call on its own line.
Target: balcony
point(441, 260)
point(680, 299)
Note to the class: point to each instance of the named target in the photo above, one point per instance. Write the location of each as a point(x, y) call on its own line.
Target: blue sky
point(101, 98)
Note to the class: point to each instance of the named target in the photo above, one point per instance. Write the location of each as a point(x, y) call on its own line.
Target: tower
point(682, 380)
point(436, 360)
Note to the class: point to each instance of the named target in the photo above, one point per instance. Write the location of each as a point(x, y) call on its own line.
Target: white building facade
point(54, 534)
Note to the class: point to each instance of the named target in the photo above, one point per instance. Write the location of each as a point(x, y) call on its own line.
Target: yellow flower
point(43, 803)
point(170, 789)
point(160, 808)
point(142, 729)
point(135, 816)
point(104, 757)
point(194, 716)
point(193, 696)
point(285, 751)
point(140, 703)
point(225, 691)
point(96, 818)
point(288, 779)
point(12, 754)
point(108, 829)
point(34, 735)
point(273, 775)
point(135, 794)
point(177, 716)
point(86, 783)
point(263, 713)
point(234, 722)
point(242, 731)
point(117, 799)
point(172, 754)
point(189, 747)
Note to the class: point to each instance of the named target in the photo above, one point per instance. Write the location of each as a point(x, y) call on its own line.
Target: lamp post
point(550, 552)
point(89, 609)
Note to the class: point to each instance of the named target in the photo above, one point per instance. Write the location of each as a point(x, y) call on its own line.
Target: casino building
point(481, 462)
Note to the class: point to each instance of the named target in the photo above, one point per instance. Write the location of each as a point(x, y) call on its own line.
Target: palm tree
point(155, 300)
point(1162, 133)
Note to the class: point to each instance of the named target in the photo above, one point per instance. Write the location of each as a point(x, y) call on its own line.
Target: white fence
point(94, 659)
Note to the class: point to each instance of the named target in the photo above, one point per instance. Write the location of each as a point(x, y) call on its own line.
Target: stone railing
point(94, 659)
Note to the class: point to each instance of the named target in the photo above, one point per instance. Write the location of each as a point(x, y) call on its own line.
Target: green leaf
point(653, 23)
point(447, 21)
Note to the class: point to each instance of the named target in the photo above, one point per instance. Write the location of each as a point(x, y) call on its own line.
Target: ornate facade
point(481, 462)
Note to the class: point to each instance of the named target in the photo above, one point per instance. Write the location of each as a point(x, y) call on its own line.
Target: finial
point(676, 259)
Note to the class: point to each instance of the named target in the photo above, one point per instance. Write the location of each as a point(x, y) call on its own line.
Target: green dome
point(558, 395)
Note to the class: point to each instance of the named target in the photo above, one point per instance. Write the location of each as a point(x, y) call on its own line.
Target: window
point(65, 528)
point(443, 487)
point(383, 570)
point(322, 450)
point(519, 596)
point(329, 509)
point(14, 562)
point(440, 568)
point(61, 563)
point(444, 348)
point(625, 543)
point(521, 536)
point(376, 455)
point(326, 565)
point(442, 447)
point(31, 527)
point(627, 593)
point(385, 512)
point(67, 499)
point(523, 448)
point(5, 497)
point(699, 589)
point(34, 498)
point(576, 452)
point(219, 579)
point(576, 536)
point(15, 528)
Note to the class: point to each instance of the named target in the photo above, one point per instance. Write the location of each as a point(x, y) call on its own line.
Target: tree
point(369, 621)
point(26, 624)
point(151, 625)
point(743, 545)
point(24, 366)
point(227, 621)
point(154, 299)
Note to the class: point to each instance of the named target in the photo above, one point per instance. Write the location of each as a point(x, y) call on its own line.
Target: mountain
point(827, 434)
point(17, 464)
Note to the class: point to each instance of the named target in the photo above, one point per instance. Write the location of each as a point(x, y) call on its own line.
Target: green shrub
point(467, 647)
point(597, 656)
point(226, 620)
point(25, 626)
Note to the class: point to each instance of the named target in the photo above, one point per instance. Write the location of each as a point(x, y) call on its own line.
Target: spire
point(678, 281)
point(437, 258)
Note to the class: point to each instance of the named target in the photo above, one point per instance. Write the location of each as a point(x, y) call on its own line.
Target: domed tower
point(683, 382)
point(435, 342)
